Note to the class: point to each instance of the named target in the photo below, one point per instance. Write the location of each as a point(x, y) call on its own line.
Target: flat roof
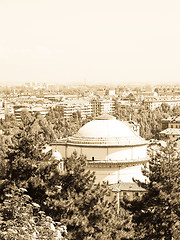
point(126, 186)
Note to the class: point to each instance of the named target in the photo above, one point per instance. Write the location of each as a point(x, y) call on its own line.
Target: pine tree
point(157, 214)
point(79, 204)
point(71, 198)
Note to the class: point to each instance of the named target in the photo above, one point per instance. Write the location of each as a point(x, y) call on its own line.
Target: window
point(126, 195)
point(92, 158)
point(136, 195)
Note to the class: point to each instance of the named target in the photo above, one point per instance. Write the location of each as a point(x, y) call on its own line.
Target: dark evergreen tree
point(157, 214)
point(71, 198)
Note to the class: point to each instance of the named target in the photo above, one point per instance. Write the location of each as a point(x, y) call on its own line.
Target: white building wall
point(109, 173)
point(123, 153)
point(61, 149)
point(139, 152)
point(112, 175)
point(96, 153)
point(115, 174)
point(104, 153)
point(174, 125)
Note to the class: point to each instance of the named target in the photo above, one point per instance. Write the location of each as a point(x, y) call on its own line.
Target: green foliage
point(157, 214)
point(23, 156)
point(24, 162)
point(9, 125)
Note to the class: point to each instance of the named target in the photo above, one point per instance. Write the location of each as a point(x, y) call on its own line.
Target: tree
point(157, 214)
point(20, 218)
point(148, 120)
point(74, 200)
point(63, 127)
point(38, 125)
point(71, 198)
point(20, 164)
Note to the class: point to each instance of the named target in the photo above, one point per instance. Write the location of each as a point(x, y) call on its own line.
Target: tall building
point(101, 106)
point(18, 111)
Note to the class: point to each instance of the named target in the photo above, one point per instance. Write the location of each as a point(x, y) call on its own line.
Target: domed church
point(114, 151)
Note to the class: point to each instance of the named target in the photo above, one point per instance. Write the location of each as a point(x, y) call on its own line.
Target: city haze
point(90, 42)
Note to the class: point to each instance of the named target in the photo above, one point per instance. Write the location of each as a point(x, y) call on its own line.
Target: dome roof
point(106, 131)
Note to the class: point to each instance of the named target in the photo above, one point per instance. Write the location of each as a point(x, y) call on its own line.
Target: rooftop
point(105, 131)
point(171, 119)
point(126, 186)
point(171, 131)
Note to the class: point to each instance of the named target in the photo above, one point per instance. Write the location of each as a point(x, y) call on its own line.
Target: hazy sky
point(70, 41)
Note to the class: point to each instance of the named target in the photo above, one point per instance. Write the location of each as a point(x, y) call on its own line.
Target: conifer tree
point(79, 204)
point(157, 214)
point(71, 198)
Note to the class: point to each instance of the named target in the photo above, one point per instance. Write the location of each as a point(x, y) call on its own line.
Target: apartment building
point(153, 103)
point(170, 122)
point(17, 111)
point(171, 128)
point(100, 106)
point(71, 106)
point(94, 107)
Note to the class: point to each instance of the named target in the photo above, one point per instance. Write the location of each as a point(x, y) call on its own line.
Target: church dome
point(106, 131)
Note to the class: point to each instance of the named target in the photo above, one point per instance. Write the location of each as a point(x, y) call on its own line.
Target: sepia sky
point(89, 41)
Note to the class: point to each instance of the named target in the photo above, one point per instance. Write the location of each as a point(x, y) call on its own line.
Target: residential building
point(101, 106)
point(155, 102)
point(170, 122)
point(71, 106)
point(171, 128)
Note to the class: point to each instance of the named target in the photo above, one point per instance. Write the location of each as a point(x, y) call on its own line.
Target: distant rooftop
point(126, 186)
point(172, 119)
point(171, 131)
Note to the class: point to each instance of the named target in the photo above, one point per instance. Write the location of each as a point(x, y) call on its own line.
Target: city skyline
point(90, 42)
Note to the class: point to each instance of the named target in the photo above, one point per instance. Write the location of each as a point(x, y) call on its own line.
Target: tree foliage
point(83, 207)
point(65, 127)
point(20, 218)
point(70, 198)
point(73, 199)
point(148, 120)
point(157, 214)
